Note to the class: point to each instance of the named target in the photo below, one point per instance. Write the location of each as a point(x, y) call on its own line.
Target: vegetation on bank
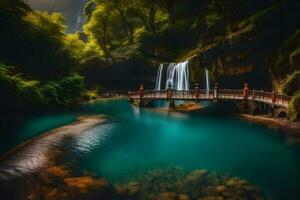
point(38, 60)
point(294, 107)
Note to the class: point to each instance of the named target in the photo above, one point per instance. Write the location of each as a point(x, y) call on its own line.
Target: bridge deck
point(225, 94)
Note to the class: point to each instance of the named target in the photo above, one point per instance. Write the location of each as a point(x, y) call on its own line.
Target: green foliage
point(44, 57)
point(89, 8)
point(212, 19)
point(256, 18)
point(65, 92)
point(35, 42)
point(90, 95)
point(32, 93)
point(294, 107)
point(292, 84)
point(286, 59)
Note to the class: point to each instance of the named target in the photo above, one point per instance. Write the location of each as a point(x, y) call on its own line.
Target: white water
point(178, 76)
point(207, 80)
point(158, 77)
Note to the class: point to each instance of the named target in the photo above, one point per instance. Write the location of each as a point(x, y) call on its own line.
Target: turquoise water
point(136, 140)
point(14, 134)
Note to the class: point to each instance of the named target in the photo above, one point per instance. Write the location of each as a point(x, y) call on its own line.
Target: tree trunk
point(152, 13)
point(127, 25)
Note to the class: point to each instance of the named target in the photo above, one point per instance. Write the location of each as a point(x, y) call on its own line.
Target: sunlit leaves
point(52, 23)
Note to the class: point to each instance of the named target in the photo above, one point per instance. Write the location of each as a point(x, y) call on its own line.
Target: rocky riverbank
point(189, 106)
point(292, 129)
point(58, 182)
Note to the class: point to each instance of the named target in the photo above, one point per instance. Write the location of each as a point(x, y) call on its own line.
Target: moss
point(295, 58)
point(292, 84)
point(212, 19)
point(90, 95)
point(294, 107)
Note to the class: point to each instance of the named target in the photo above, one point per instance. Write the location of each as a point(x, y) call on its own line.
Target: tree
point(145, 10)
point(119, 7)
point(169, 6)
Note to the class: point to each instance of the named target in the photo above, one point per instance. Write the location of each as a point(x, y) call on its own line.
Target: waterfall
point(178, 76)
point(158, 77)
point(207, 79)
point(170, 76)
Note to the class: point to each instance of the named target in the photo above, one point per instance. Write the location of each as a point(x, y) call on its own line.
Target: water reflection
point(86, 142)
point(40, 152)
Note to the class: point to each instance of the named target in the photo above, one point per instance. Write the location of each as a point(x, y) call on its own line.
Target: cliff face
point(263, 45)
point(71, 9)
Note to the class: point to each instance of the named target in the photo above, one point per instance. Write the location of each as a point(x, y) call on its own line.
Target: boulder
point(221, 189)
point(211, 198)
point(167, 196)
point(183, 197)
point(196, 175)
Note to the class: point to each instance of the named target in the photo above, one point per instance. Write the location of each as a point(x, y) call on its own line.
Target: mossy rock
point(294, 107)
point(292, 84)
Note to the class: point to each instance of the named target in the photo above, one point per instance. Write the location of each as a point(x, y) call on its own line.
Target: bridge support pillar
point(170, 98)
point(141, 92)
point(271, 111)
point(171, 104)
point(247, 107)
point(141, 102)
point(131, 100)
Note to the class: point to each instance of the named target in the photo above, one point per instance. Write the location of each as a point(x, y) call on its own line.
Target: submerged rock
point(211, 198)
point(167, 196)
point(130, 189)
point(177, 184)
point(58, 182)
point(183, 197)
point(221, 189)
point(196, 175)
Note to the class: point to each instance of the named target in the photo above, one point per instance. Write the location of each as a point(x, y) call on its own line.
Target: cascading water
point(178, 76)
point(158, 77)
point(207, 80)
point(170, 76)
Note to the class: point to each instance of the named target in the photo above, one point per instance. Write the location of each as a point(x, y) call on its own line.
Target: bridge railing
point(193, 94)
point(230, 94)
point(261, 95)
point(283, 99)
point(268, 96)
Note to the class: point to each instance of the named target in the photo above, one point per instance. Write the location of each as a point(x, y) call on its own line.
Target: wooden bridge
point(142, 97)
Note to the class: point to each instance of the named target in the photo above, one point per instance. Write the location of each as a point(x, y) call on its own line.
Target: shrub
point(18, 93)
point(292, 84)
point(294, 107)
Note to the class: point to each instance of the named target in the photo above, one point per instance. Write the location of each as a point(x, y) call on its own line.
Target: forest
point(44, 66)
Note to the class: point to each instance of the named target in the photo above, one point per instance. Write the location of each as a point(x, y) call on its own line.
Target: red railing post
point(141, 91)
point(246, 91)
